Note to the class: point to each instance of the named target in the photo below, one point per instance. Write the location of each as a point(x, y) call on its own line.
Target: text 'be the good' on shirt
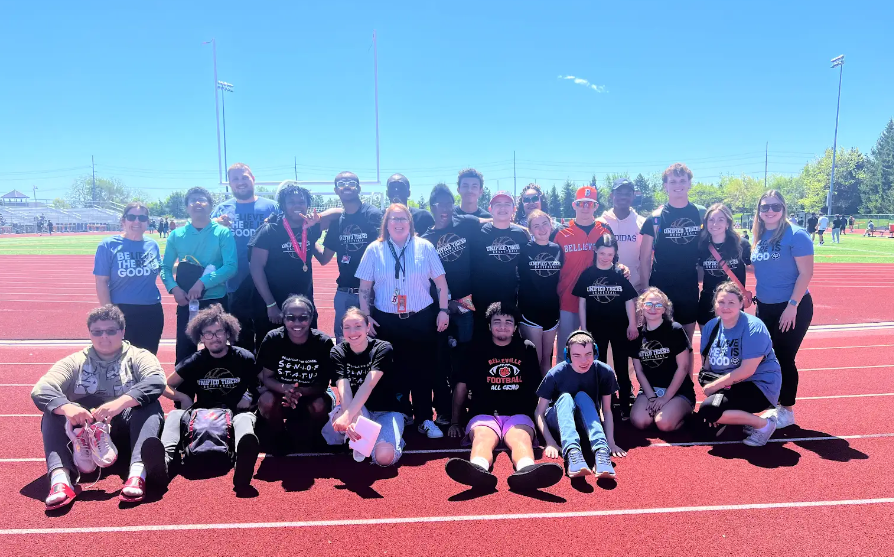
point(775, 268)
point(132, 267)
point(420, 263)
point(245, 219)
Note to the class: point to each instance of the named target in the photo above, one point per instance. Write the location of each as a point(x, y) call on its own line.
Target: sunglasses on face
point(531, 199)
point(108, 332)
point(584, 204)
point(653, 305)
point(766, 207)
point(303, 318)
point(208, 335)
point(141, 218)
point(347, 183)
point(399, 220)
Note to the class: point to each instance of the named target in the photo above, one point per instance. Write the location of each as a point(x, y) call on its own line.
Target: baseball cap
point(503, 193)
point(621, 182)
point(586, 193)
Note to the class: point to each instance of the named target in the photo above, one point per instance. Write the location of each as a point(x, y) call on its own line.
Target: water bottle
point(193, 309)
point(358, 456)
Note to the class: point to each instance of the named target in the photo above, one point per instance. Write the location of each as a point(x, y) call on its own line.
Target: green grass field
point(852, 249)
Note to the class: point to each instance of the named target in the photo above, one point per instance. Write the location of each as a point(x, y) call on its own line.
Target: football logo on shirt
point(219, 379)
point(652, 353)
point(603, 292)
point(681, 231)
point(450, 247)
point(764, 252)
point(504, 376)
point(544, 264)
point(353, 238)
point(504, 249)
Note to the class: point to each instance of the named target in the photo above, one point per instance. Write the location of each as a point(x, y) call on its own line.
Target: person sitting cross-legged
point(569, 395)
point(502, 373)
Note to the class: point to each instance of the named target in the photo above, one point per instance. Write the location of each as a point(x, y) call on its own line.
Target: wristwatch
point(792, 302)
point(445, 310)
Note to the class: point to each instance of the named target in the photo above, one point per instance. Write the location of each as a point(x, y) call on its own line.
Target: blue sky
point(460, 84)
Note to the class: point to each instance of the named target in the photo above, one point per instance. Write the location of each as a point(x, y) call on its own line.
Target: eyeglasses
point(531, 199)
point(208, 335)
point(141, 218)
point(399, 220)
point(766, 207)
point(198, 201)
point(303, 318)
point(653, 305)
point(99, 332)
point(346, 183)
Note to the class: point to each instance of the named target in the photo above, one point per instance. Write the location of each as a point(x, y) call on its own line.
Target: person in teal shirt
point(205, 254)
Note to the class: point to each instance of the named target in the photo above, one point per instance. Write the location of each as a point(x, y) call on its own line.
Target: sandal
point(134, 482)
point(70, 494)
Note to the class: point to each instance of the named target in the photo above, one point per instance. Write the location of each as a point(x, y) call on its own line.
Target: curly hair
point(213, 314)
point(290, 187)
point(497, 308)
point(677, 169)
point(197, 191)
point(108, 312)
point(544, 202)
point(652, 291)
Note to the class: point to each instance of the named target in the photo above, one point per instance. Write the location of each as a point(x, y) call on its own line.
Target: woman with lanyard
point(538, 297)
point(723, 255)
point(126, 268)
point(783, 267)
point(279, 261)
point(400, 265)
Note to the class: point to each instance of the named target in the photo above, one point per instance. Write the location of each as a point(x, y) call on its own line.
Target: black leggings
point(143, 325)
point(616, 334)
point(786, 344)
point(185, 346)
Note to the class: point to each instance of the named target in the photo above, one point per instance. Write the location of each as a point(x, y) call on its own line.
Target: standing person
point(106, 391)
point(671, 235)
point(296, 369)
point(469, 185)
point(607, 311)
point(661, 356)
point(162, 228)
point(836, 229)
point(220, 375)
point(171, 226)
point(531, 198)
point(126, 268)
point(398, 191)
point(206, 257)
point(495, 257)
point(577, 241)
point(851, 222)
point(626, 224)
point(281, 253)
point(368, 385)
point(572, 393)
point(50, 227)
point(503, 375)
point(821, 227)
point(347, 238)
point(400, 265)
point(243, 213)
point(718, 232)
point(812, 223)
point(538, 283)
point(783, 267)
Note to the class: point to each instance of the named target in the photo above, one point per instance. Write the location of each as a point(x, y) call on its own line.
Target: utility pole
point(93, 164)
point(216, 109)
point(296, 169)
point(766, 159)
point(514, 183)
point(376, 86)
point(837, 62)
point(35, 194)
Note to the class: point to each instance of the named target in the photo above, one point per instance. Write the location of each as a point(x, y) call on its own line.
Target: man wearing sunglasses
point(347, 238)
point(398, 191)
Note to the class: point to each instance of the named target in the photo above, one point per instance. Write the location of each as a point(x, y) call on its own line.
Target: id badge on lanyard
point(400, 300)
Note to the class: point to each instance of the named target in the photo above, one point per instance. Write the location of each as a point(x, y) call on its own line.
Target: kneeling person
point(502, 373)
point(221, 375)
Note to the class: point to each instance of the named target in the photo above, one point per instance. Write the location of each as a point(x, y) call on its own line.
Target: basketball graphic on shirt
point(504, 249)
point(353, 238)
point(652, 353)
point(450, 247)
point(682, 231)
point(219, 379)
point(544, 264)
point(603, 292)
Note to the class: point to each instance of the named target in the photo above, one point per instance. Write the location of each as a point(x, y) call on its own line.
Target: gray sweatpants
point(243, 424)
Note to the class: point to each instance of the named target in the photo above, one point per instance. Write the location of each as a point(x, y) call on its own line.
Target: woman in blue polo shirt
point(783, 267)
point(126, 267)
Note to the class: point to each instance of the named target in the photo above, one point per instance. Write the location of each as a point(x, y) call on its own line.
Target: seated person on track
point(296, 370)
point(568, 396)
point(503, 372)
point(661, 357)
point(738, 346)
point(221, 375)
point(108, 388)
point(367, 385)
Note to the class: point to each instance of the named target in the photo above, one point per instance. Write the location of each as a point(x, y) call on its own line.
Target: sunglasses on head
point(290, 318)
point(651, 305)
point(775, 207)
point(131, 217)
point(531, 199)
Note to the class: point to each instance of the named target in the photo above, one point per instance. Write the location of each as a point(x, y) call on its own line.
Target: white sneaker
point(759, 437)
point(80, 447)
point(104, 452)
point(430, 430)
point(784, 417)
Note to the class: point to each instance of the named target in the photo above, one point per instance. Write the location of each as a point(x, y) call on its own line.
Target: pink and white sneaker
point(104, 452)
point(80, 447)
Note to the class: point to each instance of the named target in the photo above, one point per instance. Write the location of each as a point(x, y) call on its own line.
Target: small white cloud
point(585, 83)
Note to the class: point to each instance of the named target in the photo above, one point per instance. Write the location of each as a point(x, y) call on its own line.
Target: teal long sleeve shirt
point(213, 245)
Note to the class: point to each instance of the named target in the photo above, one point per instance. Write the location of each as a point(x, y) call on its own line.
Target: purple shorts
point(500, 424)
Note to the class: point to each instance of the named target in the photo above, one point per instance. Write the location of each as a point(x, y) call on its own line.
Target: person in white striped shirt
point(399, 266)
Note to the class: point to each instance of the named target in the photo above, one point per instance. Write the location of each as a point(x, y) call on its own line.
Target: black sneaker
point(466, 473)
point(246, 456)
point(155, 462)
point(536, 476)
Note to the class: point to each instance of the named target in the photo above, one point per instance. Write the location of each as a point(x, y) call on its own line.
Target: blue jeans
point(342, 301)
point(563, 417)
point(836, 235)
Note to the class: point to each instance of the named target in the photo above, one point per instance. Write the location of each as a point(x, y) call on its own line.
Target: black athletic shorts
point(705, 308)
point(745, 396)
point(685, 301)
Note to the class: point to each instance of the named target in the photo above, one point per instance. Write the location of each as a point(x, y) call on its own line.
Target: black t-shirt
point(453, 246)
point(538, 275)
point(606, 292)
point(657, 352)
point(496, 253)
point(308, 364)
point(597, 382)
point(478, 213)
point(714, 273)
point(285, 270)
point(218, 382)
point(502, 380)
point(388, 395)
point(348, 237)
point(422, 220)
point(811, 224)
point(676, 247)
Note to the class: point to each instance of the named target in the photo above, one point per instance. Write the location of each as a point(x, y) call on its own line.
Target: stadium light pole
point(213, 43)
point(224, 89)
point(837, 62)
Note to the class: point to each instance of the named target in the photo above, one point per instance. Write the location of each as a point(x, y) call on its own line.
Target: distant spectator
point(870, 228)
point(812, 222)
point(821, 228)
point(50, 227)
point(851, 221)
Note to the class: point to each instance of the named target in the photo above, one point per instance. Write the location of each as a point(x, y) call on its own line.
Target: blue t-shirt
point(598, 381)
point(775, 270)
point(249, 217)
point(748, 339)
point(132, 267)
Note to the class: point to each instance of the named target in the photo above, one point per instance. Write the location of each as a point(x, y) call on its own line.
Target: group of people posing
point(446, 320)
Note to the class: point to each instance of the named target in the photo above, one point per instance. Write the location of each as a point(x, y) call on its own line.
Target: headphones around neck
point(589, 336)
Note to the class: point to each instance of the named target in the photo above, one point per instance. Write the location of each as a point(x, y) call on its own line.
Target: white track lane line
point(441, 519)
